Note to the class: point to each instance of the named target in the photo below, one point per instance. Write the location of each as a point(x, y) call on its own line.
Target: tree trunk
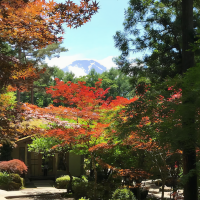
point(189, 162)
point(32, 96)
point(189, 153)
point(18, 96)
point(163, 188)
point(187, 35)
point(69, 187)
point(95, 176)
point(20, 59)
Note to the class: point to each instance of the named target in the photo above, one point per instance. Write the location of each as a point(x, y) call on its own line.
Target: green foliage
point(86, 190)
point(43, 145)
point(10, 99)
point(80, 190)
point(10, 181)
point(91, 78)
point(118, 82)
point(84, 179)
point(70, 76)
point(153, 27)
point(123, 194)
point(50, 51)
point(4, 178)
point(16, 178)
point(63, 181)
point(6, 49)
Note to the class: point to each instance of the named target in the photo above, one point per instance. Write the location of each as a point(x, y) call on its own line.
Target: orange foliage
point(35, 23)
point(39, 22)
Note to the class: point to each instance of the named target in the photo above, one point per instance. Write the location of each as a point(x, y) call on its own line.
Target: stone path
point(43, 183)
point(155, 191)
point(43, 197)
point(39, 188)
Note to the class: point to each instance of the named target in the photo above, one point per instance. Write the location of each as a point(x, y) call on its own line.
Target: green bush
point(4, 178)
point(80, 190)
point(63, 181)
point(84, 179)
point(14, 186)
point(15, 178)
point(86, 190)
point(10, 181)
point(124, 194)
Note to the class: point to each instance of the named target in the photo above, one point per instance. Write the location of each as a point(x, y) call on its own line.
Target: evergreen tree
point(169, 29)
point(153, 27)
point(69, 76)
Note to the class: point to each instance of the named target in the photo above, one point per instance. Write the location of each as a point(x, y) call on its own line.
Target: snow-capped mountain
point(84, 66)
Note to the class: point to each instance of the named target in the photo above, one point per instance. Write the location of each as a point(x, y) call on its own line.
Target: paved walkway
point(38, 188)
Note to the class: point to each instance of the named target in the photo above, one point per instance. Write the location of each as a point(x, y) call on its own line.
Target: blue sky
point(94, 40)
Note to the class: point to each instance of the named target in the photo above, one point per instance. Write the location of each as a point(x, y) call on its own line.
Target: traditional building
point(49, 167)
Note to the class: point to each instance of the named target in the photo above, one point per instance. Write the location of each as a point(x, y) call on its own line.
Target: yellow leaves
point(33, 123)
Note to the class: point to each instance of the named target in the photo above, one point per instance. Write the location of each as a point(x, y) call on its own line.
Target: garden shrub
point(13, 166)
point(10, 181)
point(124, 194)
point(63, 181)
point(4, 178)
point(14, 186)
point(80, 190)
point(84, 179)
point(16, 178)
point(86, 190)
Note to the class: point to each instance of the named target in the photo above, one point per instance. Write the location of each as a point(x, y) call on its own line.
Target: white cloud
point(77, 71)
point(107, 62)
point(64, 61)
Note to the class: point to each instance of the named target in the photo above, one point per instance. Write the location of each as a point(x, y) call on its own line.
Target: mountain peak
point(85, 66)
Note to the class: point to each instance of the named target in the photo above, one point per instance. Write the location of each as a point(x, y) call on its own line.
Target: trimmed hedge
point(63, 181)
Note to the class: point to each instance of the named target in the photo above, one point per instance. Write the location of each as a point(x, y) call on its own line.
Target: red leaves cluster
point(13, 166)
point(77, 94)
point(68, 136)
point(119, 101)
point(134, 174)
